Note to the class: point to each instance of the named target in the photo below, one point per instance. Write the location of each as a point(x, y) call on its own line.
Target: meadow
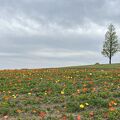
point(68, 93)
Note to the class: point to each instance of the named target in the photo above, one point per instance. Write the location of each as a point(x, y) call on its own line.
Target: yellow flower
point(57, 81)
point(82, 106)
point(90, 73)
point(34, 111)
point(9, 92)
point(62, 92)
point(14, 96)
point(115, 103)
point(29, 93)
point(86, 104)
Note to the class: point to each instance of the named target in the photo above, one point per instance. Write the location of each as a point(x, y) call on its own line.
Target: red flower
point(42, 114)
point(64, 117)
point(78, 117)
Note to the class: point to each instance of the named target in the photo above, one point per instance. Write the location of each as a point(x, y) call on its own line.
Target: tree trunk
point(110, 60)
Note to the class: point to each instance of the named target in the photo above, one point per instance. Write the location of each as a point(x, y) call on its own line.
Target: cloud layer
point(50, 33)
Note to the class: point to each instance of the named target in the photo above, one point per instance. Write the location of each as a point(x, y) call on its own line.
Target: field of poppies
point(71, 93)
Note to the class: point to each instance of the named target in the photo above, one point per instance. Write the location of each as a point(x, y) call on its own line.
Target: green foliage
point(72, 106)
point(90, 93)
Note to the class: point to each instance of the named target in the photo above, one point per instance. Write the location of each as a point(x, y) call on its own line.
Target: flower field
point(73, 93)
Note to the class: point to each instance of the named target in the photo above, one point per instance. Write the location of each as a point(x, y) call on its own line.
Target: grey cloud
point(47, 33)
point(65, 12)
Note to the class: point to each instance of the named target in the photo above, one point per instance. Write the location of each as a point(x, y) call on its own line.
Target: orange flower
point(105, 83)
point(91, 114)
point(42, 114)
point(110, 105)
point(19, 81)
point(84, 89)
point(112, 102)
point(18, 111)
point(112, 109)
point(78, 117)
point(64, 117)
point(91, 82)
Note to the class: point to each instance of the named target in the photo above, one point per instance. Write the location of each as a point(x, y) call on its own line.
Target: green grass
point(59, 93)
point(100, 66)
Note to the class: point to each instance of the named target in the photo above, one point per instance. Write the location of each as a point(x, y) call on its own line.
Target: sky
point(55, 33)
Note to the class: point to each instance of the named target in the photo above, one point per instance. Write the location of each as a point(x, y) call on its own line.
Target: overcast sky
point(52, 33)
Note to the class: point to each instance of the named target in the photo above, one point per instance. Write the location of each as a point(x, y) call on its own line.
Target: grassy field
point(71, 93)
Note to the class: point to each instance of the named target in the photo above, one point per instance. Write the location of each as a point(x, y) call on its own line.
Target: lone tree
point(111, 45)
